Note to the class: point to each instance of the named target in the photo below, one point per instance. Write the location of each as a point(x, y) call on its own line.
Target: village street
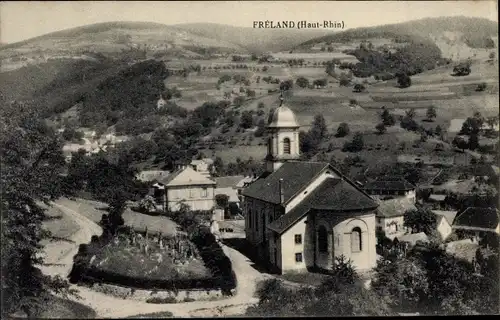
point(111, 307)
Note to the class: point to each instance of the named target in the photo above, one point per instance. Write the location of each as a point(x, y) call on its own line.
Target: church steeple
point(283, 140)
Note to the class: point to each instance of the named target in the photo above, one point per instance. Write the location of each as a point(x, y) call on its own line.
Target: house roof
point(228, 181)
point(475, 217)
point(243, 181)
point(207, 161)
point(296, 175)
point(412, 238)
point(462, 249)
point(437, 197)
point(185, 177)
point(448, 215)
point(333, 194)
point(228, 191)
point(394, 207)
point(390, 184)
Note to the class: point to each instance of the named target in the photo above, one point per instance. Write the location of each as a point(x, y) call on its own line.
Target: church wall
point(365, 259)
point(324, 260)
point(289, 248)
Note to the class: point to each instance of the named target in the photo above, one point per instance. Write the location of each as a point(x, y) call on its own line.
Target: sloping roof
point(228, 191)
point(333, 194)
point(207, 161)
point(390, 184)
point(228, 181)
point(437, 197)
point(296, 175)
point(486, 218)
point(412, 238)
point(185, 177)
point(243, 181)
point(462, 249)
point(394, 207)
point(448, 215)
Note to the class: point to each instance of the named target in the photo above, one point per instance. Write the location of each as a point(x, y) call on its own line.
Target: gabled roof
point(389, 184)
point(394, 207)
point(296, 175)
point(412, 238)
point(186, 177)
point(228, 181)
point(448, 215)
point(476, 217)
point(333, 194)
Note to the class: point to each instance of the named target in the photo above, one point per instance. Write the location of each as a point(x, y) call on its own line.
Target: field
point(138, 221)
point(175, 258)
point(58, 224)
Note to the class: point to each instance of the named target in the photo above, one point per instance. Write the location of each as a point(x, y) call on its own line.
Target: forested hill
point(475, 31)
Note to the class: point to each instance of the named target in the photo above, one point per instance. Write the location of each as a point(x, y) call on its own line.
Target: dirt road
point(111, 307)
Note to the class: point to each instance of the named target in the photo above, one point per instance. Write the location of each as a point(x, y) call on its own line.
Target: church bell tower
point(283, 138)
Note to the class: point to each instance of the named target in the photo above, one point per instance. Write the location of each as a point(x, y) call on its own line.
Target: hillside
point(115, 37)
point(254, 40)
point(457, 37)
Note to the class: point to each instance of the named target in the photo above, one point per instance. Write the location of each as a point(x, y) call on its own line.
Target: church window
point(356, 244)
point(298, 257)
point(298, 239)
point(286, 146)
point(322, 239)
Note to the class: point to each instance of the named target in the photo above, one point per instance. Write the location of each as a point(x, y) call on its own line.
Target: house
point(390, 187)
point(301, 215)
point(390, 216)
point(476, 221)
point(185, 185)
point(444, 222)
point(412, 239)
point(203, 166)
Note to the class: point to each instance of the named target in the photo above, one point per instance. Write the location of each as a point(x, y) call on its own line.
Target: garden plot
point(152, 257)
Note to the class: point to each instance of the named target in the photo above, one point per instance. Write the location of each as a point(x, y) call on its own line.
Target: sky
point(21, 20)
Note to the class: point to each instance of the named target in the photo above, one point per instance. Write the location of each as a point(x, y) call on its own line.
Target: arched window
point(269, 146)
point(356, 243)
point(322, 239)
point(286, 146)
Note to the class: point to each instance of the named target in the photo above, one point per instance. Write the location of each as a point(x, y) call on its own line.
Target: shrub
point(159, 300)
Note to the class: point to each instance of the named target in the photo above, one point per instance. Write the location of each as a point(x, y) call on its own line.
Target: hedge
point(211, 252)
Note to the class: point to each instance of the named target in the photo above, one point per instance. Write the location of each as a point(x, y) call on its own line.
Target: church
point(301, 215)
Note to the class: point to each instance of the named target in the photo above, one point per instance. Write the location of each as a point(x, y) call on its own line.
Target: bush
point(343, 130)
point(159, 300)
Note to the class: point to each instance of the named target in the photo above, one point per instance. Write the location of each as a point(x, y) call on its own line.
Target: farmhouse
point(187, 186)
point(390, 187)
point(301, 215)
point(390, 216)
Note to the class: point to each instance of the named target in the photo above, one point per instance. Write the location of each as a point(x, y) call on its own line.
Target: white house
point(390, 216)
point(444, 222)
point(190, 187)
point(302, 215)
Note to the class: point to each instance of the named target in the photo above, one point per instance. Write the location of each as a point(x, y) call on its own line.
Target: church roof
point(333, 194)
point(283, 117)
point(389, 184)
point(295, 174)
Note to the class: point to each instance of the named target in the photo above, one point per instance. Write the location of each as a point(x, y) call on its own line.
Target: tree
point(431, 113)
point(420, 220)
point(381, 129)
point(438, 131)
point(343, 130)
point(403, 281)
point(462, 69)
point(147, 204)
point(261, 128)
point(246, 120)
point(460, 143)
point(356, 144)
point(387, 118)
point(302, 82)
point(319, 129)
point(261, 105)
point(404, 80)
point(32, 161)
point(238, 101)
point(358, 88)
point(473, 141)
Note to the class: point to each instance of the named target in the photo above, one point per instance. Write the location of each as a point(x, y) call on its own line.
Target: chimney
point(282, 194)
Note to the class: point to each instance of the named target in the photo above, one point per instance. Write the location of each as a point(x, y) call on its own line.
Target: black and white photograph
point(187, 159)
